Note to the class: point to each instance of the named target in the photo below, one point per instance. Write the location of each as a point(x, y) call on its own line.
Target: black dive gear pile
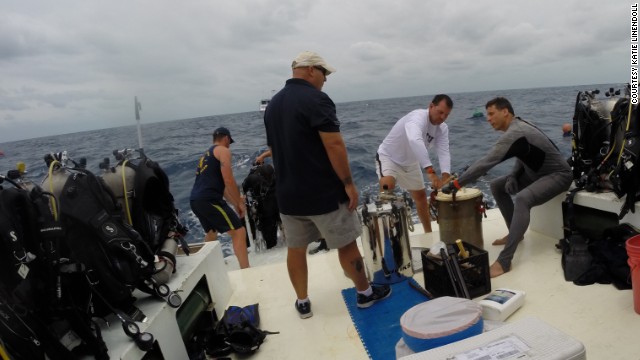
point(237, 331)
point(604, 156)
point(37, 308)
point(605, 145)
point(262, 206)
point(71, 256)
point(142, 190)
point(589, 257)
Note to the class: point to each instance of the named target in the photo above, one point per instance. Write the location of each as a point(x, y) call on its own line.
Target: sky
point(68, 66)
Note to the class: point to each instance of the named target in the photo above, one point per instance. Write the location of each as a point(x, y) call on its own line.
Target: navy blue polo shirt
point(306, 183)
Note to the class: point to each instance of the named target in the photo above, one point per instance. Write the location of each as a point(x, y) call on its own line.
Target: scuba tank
point(121, 179)
point(60, 167)
point(18, 175)
point(165, 261)
point(591, 139)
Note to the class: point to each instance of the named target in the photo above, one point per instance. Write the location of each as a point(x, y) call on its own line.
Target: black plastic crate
point(475, 271)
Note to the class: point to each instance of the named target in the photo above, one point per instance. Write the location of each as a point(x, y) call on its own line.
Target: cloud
point(70, 66)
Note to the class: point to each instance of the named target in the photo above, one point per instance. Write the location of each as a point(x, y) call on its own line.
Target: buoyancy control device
point(38, 303)
point(262, 206)
point(624, 169)
point(141, 188)
point(105, 253)
point(605, 145)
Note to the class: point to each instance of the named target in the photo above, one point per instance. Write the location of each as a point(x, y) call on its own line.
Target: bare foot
point(503, 240)
point(500, 241)
point(496, 270)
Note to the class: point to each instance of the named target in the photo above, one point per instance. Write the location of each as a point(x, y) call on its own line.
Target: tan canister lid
point(464, 193)
point(440, 317)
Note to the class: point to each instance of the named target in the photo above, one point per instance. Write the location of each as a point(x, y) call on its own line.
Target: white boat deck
point(599, 316)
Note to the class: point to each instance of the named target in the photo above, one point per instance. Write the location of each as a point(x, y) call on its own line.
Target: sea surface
point(176, 145)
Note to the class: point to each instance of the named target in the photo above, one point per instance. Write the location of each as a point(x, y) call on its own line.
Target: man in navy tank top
point(215, 182)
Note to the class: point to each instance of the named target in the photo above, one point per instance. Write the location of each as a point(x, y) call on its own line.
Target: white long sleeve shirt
point(411, 139)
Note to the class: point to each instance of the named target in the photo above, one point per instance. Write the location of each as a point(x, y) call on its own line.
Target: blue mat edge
point(349, 297)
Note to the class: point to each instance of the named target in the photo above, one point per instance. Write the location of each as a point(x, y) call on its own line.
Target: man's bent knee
point(211, 235)
point(349, 246)
point(387, 183)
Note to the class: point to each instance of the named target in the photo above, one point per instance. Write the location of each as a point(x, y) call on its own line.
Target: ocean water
point(176, 145)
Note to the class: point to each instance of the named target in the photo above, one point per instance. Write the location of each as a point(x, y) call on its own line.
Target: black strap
point(13, 232)
point(570, 222)
point(89, 332)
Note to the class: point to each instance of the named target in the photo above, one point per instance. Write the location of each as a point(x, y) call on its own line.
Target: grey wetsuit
point(540, 173)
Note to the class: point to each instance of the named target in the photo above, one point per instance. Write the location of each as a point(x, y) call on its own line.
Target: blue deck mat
point(379, 325)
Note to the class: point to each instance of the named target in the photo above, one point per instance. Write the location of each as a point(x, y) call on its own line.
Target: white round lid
point(440, 317)
point(463, 194)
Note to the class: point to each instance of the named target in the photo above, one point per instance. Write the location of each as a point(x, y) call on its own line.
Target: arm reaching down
point(231, 191)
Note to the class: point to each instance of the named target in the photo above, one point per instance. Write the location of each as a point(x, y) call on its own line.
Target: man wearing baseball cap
point(315, 191)
point(223, 131)
point(215, 181)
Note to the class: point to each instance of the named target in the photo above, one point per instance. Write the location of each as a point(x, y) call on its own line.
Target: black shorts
point(216, 216)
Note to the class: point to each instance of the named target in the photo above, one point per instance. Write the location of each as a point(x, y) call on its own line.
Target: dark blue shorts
point(216, 215)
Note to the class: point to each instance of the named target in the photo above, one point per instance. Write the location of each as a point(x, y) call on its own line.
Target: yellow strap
point(3, 353)
point(52, 200)
point(615, 142)
point(126, 198)
point(625, 131)
point(226, 217)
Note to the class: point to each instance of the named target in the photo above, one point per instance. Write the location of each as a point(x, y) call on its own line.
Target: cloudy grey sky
point(69, 66)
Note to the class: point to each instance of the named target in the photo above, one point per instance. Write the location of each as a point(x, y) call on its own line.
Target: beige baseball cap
point(309, 58)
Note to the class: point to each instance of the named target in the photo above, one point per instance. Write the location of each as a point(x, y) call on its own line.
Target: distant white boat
point(265, 102)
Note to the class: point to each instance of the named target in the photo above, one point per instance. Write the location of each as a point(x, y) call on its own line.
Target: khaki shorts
point(407, 177)
point(338, 228)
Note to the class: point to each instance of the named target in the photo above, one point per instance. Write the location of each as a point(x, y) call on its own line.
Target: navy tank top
point(209, 184)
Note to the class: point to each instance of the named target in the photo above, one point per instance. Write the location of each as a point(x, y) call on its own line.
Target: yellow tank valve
point(463, 251)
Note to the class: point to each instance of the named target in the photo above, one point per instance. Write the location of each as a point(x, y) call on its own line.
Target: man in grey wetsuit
point(539, 174)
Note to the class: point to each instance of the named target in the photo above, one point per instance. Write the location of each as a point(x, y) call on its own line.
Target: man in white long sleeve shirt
point(404, 153)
